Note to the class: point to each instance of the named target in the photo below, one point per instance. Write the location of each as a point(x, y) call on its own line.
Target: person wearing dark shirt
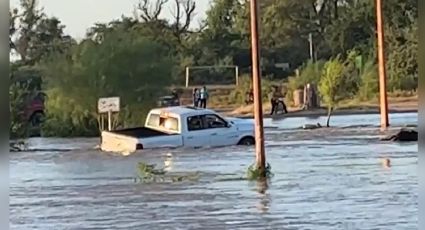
point(196, 97)
point(273, 102)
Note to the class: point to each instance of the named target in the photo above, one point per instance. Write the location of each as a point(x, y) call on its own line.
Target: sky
point(79, 15)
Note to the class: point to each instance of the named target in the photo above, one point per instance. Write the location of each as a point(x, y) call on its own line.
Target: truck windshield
point(163, 123)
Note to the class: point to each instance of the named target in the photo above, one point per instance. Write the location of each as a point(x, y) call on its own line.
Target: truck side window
point(213, 121)
point(153, 120)
point(194, 123)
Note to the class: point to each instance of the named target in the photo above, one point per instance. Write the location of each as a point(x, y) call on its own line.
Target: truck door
point(220, 132)
point(196, 135)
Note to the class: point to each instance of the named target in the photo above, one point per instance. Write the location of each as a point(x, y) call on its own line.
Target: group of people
point(200, 97)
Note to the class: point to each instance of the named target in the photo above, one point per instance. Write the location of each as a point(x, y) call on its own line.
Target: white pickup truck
point(180, 126)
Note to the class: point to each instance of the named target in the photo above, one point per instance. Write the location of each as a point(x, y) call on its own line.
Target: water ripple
point(323, 179)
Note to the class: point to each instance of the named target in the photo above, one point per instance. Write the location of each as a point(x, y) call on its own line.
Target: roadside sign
point(108, 104)
point(283, 66)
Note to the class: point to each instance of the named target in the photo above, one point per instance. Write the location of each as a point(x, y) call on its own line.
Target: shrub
point(238, 96)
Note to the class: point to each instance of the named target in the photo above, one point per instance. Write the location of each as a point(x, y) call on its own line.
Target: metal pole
point(237, 75)
point(381, 63)
point(310, 40)
point(102, 120)
point(187, 77)
point(109, 121)
point(256, 80)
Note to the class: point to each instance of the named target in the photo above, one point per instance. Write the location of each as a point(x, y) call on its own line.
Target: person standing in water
point(196, 97)
point(274, 99)
point(204, 97)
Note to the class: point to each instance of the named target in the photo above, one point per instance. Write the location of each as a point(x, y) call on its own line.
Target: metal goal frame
point(188, 68)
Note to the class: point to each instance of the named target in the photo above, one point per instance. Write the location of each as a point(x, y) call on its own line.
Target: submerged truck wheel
point(247, 141)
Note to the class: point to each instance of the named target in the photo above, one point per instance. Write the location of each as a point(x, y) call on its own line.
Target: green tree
point(32, 35)
point(402, 56)
point(310, 72)
point(122, 64)
point(352, 27)
point(331, 84)
point(369, 81)
point(17, 101)
point(24, 85)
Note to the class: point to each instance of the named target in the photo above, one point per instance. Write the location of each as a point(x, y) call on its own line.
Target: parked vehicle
point(34, 111)
point(180, 126)
point(33, 103)
point(168, 101)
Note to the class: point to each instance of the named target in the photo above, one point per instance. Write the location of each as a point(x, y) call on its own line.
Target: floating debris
point(312, 126)
point(404, 135)
point(148, 173)
point(17, 146)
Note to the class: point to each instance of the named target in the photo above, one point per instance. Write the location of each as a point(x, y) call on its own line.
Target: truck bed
point(140, 132)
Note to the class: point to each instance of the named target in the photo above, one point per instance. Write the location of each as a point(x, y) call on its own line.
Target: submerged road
point(324, 179)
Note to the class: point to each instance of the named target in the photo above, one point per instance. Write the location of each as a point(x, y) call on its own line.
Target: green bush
point(309, 73)
point(18, 127)
point(331, 85)
point(238, 96)
point(24, 85)
point(369, 81)
point(352, 71)
point(66, 118)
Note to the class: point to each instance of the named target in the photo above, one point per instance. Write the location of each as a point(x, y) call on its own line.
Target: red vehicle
point(34, 111)
point(34, 106)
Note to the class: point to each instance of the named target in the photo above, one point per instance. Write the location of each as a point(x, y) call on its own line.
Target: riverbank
point(323, 112)
point(395, 105)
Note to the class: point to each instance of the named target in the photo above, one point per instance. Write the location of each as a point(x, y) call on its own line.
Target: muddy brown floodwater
point(324, 179)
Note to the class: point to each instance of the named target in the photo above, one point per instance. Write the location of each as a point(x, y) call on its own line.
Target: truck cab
point(181, 126)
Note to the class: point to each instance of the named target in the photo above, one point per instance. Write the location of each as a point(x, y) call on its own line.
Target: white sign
point(109, 104)
point(283, 66)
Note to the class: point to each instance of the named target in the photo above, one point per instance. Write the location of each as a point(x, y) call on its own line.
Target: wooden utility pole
point(256, 81)
point(381, 62)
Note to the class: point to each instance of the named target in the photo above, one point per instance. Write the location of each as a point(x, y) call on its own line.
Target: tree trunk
point(336, 9)
point(329, 116)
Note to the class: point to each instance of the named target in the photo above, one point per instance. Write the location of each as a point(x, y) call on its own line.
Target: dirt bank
point(396, 105)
